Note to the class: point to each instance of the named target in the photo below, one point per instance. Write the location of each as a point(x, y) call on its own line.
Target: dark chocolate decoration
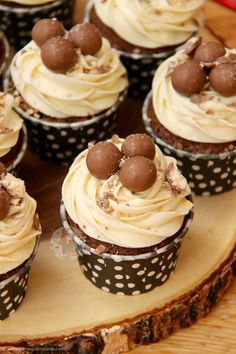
point(223, 79)
point(138, 173)
point(87, 37)
point(46, 29)
point(103, 159)
point(188, 78)
point(2, 169)
point(58, 54)
point(4, 203)
point(209, 52)
point(138, 145)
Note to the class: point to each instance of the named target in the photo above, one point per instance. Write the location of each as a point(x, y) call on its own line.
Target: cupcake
point(67, 86)
point(19, 16)
point(127, 208)
point(19, 238)
point(191, 114)
point(145, 33)
point(13, 136)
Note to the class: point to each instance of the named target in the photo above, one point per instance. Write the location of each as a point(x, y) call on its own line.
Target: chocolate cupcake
point(19, 16)
point(13, 135)
point(67, 86)
point(145, 33)
point(127, 208)
point(19, 238)
point(191, 114)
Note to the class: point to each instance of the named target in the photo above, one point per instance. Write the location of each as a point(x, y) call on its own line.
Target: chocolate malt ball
point(138, 173)
point(46, 29)
point(223, 79)
point(138, 145)
point(209, 52)
point(103, 159)
point(188, 78)
point(87, 37)
point(58, 54)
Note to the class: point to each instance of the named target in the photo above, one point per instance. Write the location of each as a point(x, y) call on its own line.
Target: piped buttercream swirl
point(91, 87)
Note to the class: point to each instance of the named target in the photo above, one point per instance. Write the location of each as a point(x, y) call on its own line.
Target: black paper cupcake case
point(60, 143)
point(17, 22)
point(13, 289)
point(127, 275)
point(12, 168)
point(207, 174)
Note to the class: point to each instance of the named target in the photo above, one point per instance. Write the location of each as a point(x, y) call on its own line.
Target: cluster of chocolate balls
point(208, 62)
point(59, 48)
point(137, 172)
point(4, 196)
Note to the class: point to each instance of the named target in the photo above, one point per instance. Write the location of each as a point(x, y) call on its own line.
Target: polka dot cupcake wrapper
point(127, 275)
point(62, 142)
point(12, 168)
point(207, 174)
point(13, 290)
point(17, 22)
point(7, 53)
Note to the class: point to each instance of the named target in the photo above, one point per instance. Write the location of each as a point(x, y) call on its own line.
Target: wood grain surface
point(215, 334)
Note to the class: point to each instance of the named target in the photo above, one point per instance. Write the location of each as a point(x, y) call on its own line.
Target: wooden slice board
point(64, 308)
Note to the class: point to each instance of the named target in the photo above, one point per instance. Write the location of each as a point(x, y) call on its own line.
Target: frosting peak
point(107, 211)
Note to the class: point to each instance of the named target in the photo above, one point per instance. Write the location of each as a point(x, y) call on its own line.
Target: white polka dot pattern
point(141, 71)
point(61, 146)
point(18, 24)
point(133, 276)
point(12, 294)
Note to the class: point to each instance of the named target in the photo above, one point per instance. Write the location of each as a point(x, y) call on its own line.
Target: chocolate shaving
point(192, 45)
point(226, 60)
point(176, 181)
point(101, 249)
point(115, 138)
point(37, 225)
point(104, 202)
point(199, 98)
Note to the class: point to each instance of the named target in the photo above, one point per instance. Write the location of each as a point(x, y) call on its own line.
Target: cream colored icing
point(132, 219)
point(153, 23)
point(92, 86)
point(211, 121)
point(17, 230)
point(29, 2)
point(10, 124)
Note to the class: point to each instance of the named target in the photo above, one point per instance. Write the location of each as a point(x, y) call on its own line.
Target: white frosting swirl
point(212, 120)
point(130, 219)
point(29, 2)
point(10, 124)
point(153, 23)
point(92, 86)
point(17, 230)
